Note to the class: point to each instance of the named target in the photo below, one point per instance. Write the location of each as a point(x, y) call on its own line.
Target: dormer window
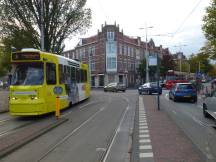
point(110, 36)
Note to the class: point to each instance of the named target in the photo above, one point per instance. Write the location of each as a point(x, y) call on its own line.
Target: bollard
point(57, 113)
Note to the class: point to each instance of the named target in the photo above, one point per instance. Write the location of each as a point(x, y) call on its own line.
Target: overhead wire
point(183, 22)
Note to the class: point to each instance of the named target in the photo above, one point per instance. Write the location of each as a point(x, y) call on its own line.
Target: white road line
point(146, 155)
point(144, 131)
point(144, 136)
point(143, 127)
point(145, 147)
point(115, 135)
point(145, 140)
point(174, 112)
point(143, 124)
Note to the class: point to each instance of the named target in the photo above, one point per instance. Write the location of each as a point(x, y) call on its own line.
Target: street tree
point(142, 70)
point(22, 20)
point(167, 63)
point(209, 28)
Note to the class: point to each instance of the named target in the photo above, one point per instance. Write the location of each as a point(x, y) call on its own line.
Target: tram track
point(111, 140)
point(13, 130)
point(71, 133)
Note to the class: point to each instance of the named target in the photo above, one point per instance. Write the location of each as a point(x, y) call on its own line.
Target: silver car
point(209, 104)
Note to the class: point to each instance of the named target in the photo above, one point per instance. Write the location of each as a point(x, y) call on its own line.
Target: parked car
point(115, 87)
point(209, 105)
point(149, 88)
point(1, 84)
point(183, 91)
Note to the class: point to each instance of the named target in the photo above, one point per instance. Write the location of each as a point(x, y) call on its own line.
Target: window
point(92, 66)
point(110, 36)
point(50, 73)
point(111, 62)
point(91, 51)
point(28, 74)
point(78, 75)
point(73, 73)
point(120, 49)
point(61, 74)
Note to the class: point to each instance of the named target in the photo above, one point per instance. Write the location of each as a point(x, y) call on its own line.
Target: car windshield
point(28, 74)
point(185, 86)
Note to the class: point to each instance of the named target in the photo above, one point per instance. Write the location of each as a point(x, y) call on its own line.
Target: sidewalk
point(4, 100)
point(168, 143)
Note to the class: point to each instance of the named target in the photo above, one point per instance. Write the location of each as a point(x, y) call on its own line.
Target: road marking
point(145, 141)
point(144, 136)
point(144, 131)
point(146, 155)
point(142, 124)
point(145, 147)
point(115, 135)
point(174, 112)
point(143, 127)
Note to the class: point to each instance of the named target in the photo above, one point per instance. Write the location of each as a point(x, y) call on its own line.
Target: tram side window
point(78, 75)
point(85, 75)
point(61, 74)
point(50, 73)
point(81, 75)
point(73, 73)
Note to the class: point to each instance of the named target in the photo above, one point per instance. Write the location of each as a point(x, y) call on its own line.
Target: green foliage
point(4, 61)
point(142, 69)
point(201, 61)
point(209, 28)
point(21, 22)
point(167, 63)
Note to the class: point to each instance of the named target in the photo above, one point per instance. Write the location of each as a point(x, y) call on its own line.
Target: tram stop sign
point(58, 90)
point(152, 61)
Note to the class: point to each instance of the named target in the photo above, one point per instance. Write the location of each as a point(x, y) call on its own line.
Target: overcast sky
point(182, 17)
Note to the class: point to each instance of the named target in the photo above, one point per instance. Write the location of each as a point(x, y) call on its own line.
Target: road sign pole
point(57, 113)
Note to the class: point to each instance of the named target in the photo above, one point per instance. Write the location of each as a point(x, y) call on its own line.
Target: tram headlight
point(14, 98)
point(34, 97)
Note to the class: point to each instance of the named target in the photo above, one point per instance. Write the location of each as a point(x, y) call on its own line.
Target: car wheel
point(149, 92)
point(170, 97)
point(194, 100)
point(206, 115)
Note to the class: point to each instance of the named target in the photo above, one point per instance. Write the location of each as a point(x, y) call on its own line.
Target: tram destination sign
point(26, 56)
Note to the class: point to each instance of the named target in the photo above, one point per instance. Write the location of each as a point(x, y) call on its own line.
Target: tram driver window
point(50, 73)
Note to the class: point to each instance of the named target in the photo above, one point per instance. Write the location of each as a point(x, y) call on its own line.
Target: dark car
point(149, 88)
point(115, 87)
point(209, 105)
point(183, 91)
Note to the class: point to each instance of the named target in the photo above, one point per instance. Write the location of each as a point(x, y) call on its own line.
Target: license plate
point(187, 96)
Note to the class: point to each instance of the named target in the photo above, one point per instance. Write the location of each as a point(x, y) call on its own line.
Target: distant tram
point(38, 77)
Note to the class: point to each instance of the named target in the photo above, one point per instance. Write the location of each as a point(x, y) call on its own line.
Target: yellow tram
point(38, 75)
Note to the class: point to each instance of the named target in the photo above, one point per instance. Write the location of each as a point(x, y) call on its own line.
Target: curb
point(17, 144)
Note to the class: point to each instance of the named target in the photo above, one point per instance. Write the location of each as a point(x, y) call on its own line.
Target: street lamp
point(42, 27)
point(146, 46)
point(180, 60)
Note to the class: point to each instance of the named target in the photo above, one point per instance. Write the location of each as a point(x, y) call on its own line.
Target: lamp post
point(146, 53)
point(42, 27)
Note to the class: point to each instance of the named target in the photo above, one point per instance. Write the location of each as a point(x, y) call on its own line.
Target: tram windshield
point(28, 74)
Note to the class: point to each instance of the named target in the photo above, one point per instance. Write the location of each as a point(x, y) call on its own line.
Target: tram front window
point(28, 74)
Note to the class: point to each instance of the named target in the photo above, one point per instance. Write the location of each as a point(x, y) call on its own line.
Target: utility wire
point(183, 22)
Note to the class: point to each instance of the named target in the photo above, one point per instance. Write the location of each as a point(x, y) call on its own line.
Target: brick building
point(114, 57)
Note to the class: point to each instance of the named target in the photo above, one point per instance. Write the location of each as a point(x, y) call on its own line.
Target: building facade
point(113, 56)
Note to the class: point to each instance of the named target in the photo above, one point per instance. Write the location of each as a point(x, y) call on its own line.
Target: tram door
point(51, 83)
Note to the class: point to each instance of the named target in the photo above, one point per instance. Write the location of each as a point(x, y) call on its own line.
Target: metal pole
point(147, 69)
point(89, 67)
point(158, 78)
point(42, 27)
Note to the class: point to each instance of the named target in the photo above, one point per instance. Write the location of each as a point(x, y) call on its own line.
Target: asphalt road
point(190, 119)
point(98, 129)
